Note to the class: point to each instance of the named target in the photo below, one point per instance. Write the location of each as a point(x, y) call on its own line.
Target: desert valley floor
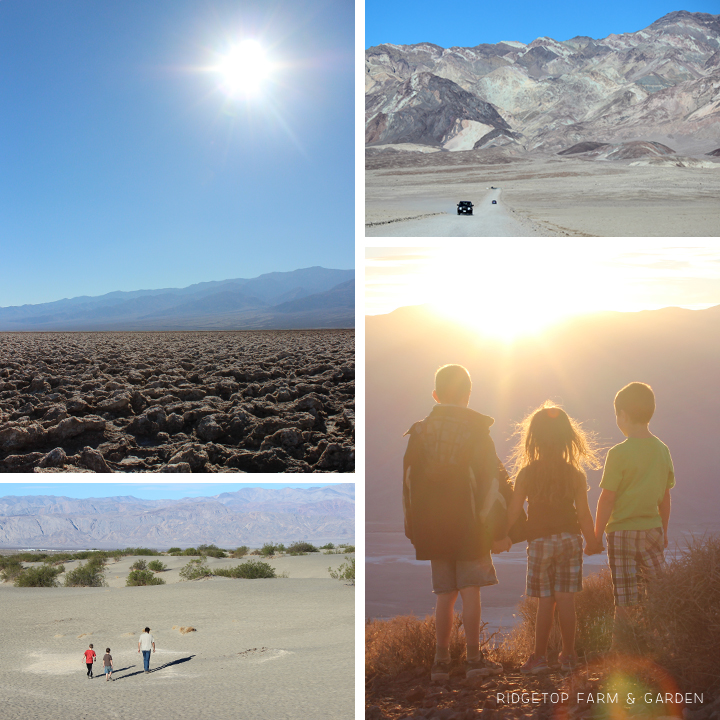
point(275, 649)
point(254, 401)
point(414, 194)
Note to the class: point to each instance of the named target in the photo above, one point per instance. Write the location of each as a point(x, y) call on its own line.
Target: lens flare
point(245, 69)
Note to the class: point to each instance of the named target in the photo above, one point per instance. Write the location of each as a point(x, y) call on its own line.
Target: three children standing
point(456, 491)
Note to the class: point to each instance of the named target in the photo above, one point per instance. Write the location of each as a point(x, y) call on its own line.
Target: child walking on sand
point(108, 662)
point(634, 503)
point(551, 454)
point(89, 658)
point(451, 472)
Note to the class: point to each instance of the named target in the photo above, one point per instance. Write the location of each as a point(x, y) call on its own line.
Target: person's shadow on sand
point(159, 667)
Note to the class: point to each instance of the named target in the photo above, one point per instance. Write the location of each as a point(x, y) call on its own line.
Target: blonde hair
point(550, 440)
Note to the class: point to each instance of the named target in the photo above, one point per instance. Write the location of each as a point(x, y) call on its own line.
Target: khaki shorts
point(452, 575)
point(634, 556)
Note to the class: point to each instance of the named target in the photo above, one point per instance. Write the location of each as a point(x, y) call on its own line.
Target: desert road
point(487, 220)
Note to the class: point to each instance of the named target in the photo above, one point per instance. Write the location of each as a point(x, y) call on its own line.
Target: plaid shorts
point(554, 565)
point(634, 555)
point(451, 575)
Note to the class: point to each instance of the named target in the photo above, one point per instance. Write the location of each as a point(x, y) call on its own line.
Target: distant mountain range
point(250, 516)
point(313, 297)
point(661, 83)
point(580, 363)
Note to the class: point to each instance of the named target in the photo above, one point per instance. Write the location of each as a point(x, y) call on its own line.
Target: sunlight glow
point(245, 69)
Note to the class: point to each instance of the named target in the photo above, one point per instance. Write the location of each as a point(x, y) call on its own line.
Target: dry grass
point(406, 642)
point(184, 630)
point(680, 628)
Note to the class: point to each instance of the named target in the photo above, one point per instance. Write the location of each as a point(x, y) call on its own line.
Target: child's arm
point(516, 504)
point(605, 505)
point(664, 508)
point(592, 546)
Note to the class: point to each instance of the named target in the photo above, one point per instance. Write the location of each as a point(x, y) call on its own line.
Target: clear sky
point(130, 160)
point(144, 491)
point(524, 285)
point(404, 22)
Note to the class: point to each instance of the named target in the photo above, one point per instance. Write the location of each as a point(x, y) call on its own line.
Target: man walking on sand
point(146, 643)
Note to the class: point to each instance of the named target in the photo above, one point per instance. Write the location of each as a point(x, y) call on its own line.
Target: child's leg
point(471, 620)
point(566, 615)
point(443, 624)
point(543, 624)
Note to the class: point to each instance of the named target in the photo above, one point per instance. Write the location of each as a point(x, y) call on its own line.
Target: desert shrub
point(406, 643)
point(139, 551)
point(250, 570)
point(242, 551)
point(116, 555)
point(142, 576)
point(90, 574)
point(59, 558)
point(301, 547)
point(174, 551)
point(347, 548)
point(190, 551)
point(157, 566)
point(346, 571)
point(280, 548)
point(679, 627)
point(10, 568)
point(43, 576)
point(139, 565)
point(211, 550)
point(31, 557)
point(195, 570)
point(329, 546)
point(268, 549)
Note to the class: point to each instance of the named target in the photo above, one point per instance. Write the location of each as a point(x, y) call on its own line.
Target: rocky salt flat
point(253, 401)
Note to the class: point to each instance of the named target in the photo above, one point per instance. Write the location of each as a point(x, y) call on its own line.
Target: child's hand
point(500, 546)
point(594, 548)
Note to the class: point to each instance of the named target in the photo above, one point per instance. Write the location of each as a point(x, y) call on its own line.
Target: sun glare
point(245, 69)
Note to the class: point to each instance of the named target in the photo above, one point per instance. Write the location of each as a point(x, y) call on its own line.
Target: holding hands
point(594, 546)
point(500, 546)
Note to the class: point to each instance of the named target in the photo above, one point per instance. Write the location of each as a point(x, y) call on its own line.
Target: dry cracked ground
point(253, 401)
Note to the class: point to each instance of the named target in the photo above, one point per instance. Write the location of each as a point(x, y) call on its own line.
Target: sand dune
point(276, 648)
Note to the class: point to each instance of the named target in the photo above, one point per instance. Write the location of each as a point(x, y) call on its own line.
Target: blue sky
point(124, 165)
point(145, 491)
point(470, 23)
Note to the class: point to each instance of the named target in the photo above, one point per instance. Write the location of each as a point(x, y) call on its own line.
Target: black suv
point(465, 207)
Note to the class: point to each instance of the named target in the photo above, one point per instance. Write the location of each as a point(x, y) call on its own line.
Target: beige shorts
point(452, 575)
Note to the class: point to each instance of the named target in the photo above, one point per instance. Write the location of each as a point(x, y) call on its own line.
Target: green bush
point(139, 565)
point(280, 548)
point(346, 571)
point(139, 551)
point(142, 577)
point(189, 551)
point(268, 549)
point(195, 570)
point(347, 548)
point(212, 551)
point(250, 570)
point(174, 551)
point(43, 576)
point(156, 566)
point(242, 551)
point(10, 568)
point(301, 547)
point(329, 546)
point(90, 574)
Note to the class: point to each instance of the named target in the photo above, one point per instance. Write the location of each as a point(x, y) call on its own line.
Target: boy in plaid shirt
point(634, 504)
point(455, 491)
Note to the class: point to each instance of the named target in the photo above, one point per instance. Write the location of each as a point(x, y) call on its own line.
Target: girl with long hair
point(550, 460)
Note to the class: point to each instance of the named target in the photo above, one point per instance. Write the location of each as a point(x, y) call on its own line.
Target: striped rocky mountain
point(661, 83)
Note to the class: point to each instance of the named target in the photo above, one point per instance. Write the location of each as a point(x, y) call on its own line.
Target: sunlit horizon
point(520, 288)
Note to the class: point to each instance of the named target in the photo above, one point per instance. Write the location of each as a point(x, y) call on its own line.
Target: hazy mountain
point(581, 363)
point(261, 302)
point(250, 516)
point(660, 83)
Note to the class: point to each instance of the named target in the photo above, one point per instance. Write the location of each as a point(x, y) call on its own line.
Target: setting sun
point(245, 69)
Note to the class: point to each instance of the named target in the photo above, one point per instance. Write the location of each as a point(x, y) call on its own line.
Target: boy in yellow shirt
point(634, 504)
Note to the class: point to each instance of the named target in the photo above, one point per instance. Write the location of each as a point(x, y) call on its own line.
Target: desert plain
point(279, 648)
point(253, 401)
point(415, 194)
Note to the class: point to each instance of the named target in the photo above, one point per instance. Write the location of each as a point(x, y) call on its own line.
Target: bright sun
point(245, 69)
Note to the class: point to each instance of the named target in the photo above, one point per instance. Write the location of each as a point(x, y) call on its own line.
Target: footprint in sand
point(84, 635)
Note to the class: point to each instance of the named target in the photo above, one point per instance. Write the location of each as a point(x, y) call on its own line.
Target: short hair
point(90, 644)
point(147, 629)
point(107, 649)
point(637, 400)
point(452, 383)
